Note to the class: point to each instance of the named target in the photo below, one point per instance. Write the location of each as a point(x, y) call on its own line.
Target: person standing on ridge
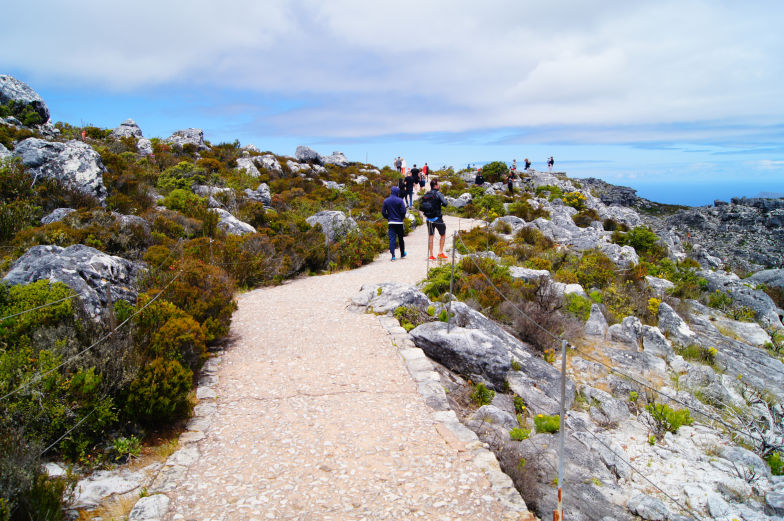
point(514, 165)
point(416, 175)
point(394, 211)
point(527, 163)
point(430, 205)
point(509, 181)
point(550, 163)
point(408, 181)
point(398, 163)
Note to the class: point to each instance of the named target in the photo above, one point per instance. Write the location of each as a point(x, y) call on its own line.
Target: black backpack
point(430, 205)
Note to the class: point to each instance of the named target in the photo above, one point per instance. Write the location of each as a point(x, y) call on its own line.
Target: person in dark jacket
point(409, 195)
point(436, 222)
point(394, 211)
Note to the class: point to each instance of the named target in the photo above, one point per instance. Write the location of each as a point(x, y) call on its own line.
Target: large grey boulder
point(596, 324)
point(144, 147)
point(261, 194)
point(73, 163)
point(655, 343)
point(90, 491)
point(4, 152)
point(671, 324)
point(648, 507)
point(337, 159)
point(466, 351)
point(744, 459)
point(605, 409)
point(85, 270)
point(334, 224)
point(57, 215)
point(150, 508)
point(764, 308)
point(659, 286)
point(231, 225)
point(127, 128)
point(188, 136)
point(490, 414)
point(774, 277)
point(308, 155)
point(628, 332)
point(774, 503)
point(247, 164)
point(268, 162)
point(387, 297)
point(12, 89)
point(528, 274)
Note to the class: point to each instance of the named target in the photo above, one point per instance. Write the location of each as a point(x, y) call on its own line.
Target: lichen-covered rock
point(150, 508)
point(231, 225)
point(127, 128)
point(490, 414)
point(387, 297)
point(655, 343)
point(308, 155)
point(337, 159)
point(261, 194)
point(465, 351)
point(628, 332)
point(12, 89)
point(87, 271)
point(659, 286)
point(188, 136)
point(247, 164)
point(672, 324)
point(73, 163)
point(144, 147)
point(56, 215)
point(268, 162)
point(334, 224)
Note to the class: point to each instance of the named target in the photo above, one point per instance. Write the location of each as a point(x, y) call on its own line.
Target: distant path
point(318, 418)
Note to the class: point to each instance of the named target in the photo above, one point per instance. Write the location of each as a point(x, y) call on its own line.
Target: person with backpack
point(394, 211)
point(430, 205)
point(423, 179)
point(408, 196)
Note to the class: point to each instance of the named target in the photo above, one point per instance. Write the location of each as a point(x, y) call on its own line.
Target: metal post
point(451, 287)
point(558, 513)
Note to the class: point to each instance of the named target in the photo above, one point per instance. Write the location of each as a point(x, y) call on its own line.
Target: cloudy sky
point(682, 100)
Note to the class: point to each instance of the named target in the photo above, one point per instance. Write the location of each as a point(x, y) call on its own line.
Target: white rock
point(150, 508)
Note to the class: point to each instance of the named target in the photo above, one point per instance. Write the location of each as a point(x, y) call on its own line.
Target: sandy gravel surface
point(318, 418)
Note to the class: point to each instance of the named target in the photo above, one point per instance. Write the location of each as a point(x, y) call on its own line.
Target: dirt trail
point(317, 417)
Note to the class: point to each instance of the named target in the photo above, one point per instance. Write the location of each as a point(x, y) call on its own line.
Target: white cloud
point(372, 68)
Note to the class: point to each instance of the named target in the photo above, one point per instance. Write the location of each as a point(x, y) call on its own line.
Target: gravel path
point(314, 416)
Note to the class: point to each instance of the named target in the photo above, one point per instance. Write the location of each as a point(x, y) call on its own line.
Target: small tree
point(495, 171)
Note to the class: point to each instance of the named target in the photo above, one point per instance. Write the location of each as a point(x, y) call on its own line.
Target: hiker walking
point(394, 211)
point(424, 177)
point(416, 175)
point(527, 163)
point(514, 165)
point(550, 163)
point(431, 206)
point(398, 163)
point(408, 181)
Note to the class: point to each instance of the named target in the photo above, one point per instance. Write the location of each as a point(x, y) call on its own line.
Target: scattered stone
point(774, 503)
point(337, 159)
point(268, 162)
point(490, 414)
point(231, 225)
point(605, 409)
point(660, 286)
point(648, 507)
point(57, 215)
point(89, 492)
point(308, 155)
point(247, 164)
point(628, 332)
point(73, 163)
point(150, 508)
point(87, 271)
point(261, 194)
point(387, 297)
point(12, 89)
point(127, 128)
point(188, 136)
point(655, 343)
point(334, 224)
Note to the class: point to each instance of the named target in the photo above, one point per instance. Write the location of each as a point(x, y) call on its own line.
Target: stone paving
point(317, 413)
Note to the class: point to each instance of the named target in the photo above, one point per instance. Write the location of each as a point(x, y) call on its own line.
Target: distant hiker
point(431, 206)
point(84, 135)
point(409, 193)
point(479, 180)
point(423, 179)
point(394, 211)
point(550, 163)
point(415, 174)
point(527, 164)
point(514, 165)
point(398, 163)
point(401, 185)
point(510, 180)
point(403, 165)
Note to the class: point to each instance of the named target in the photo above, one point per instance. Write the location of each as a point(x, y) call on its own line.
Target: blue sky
point(679, 99)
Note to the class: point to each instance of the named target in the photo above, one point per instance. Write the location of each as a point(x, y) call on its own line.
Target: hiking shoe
point(403, 255)
point(393, 257)
point(432, 258)
point(442, 256)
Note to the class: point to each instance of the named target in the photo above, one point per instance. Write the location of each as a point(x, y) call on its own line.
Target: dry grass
point(113, 508)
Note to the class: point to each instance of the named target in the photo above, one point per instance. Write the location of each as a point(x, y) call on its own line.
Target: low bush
point(577, 201)
point(585, 217)
point(482, 395)
point(159, 394)
point(547, 424)
point(519, 433)
point(666, 419)
point(776, 463)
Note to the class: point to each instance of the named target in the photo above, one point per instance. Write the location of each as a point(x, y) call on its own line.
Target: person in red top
point(423, 178)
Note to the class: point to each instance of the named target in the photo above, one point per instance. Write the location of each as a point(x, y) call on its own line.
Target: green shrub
point(576, 200)
point(548, 424)
point(585, 217)
point(482, 395)
point(410, 317)
point(495, 171)
point(578, 305)
point(666, 419)
point(776, 463)
point(595, 269)
point(553, 191)
point(159, 394)
point(125, 449)
point(720, 300)
point(437, 282)
point(699, 353)
point(519, 433)
point(519, 404)
point(183, 201)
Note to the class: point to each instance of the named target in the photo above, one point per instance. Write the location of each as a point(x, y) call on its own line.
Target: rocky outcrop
point(188, 136)
point(774, 278)
point(73, 163)
point(596, 324)
point(268, 162)
point(334, 224)
point(13, 90)
point(144, 147)
point(671, 324)
point(231, 225)
point(387, 297)
point(56, 215)
point(127, 128)
point(610, 194)
point(308, 155)
point(261, 194)
point(85, 270)
point(764, 308)
point(247, 164)
point(337, 159)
